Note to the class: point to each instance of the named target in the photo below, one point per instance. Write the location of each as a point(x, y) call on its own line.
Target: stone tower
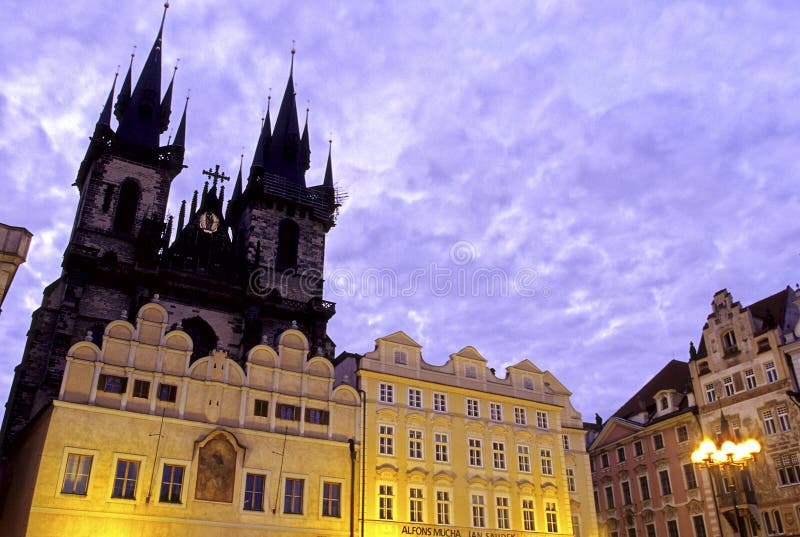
point(230, 276)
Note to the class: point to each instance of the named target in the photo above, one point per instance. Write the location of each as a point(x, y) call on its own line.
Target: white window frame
point(439, 402)
point(502, 506)
point(416, 503)
point(441, 447)
point(784, 423)
point(495, 411)
point(473, 408)
point(499, 455)
point(444, 497)
point(386, 393)
point(524, 458)
point(386, 440)
point(415, 398)
point(750, 379)
point(520, 415)
point(546, 457)
point(478, 509)
point(475, 452)
point(416, 443)
point(542, 419)
point(771, 372)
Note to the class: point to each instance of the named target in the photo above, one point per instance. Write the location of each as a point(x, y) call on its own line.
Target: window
point(658, 441)
point(167, 392)
point(112, 384)
point(442, 507)
point(571, 479)
point(475, 457)
point(644, 486)
point(261, 408)
point(288, 238)
point(76, 474)
point(626, 493)
point(478, 511)
point(528, 515)
point(683, 434)
point(317, 416)
point(596, 501)
point(699, 526)
point(542, 421)
point(750, 379)
point(769, 422)
point(414, 398)
point(702, 368)
point(689, 476)
point(293, 496)
point(621, 454)
point(126, 207)
point(107, 198)
point(473, 408)
point(499, 455)
point(441, 447)
point(254, 492)
point(524, 458)
point(650, 530)
point(604, 461)
point(503, 517)
point(552, 519)
point(386, 393)
point(763, 345)
point(727, 383)
point(664, 403)
point(711, 394)
point(631, 532)
point(729, 341)
point(495, 412)
point(672, 528)
point(141, 389)
point(171, 483)
point(470, 372)
point(527, 383)
point(788, 468)
point(125, 479)
point(415, 504)
point(638, 448)
point(609, 497)
point(400, 358)
point(385, 502)
point(520, 416)
point(772, 373)
point(547, 461)
point(331, 499)
point(415, 444)
point(287, 412)
point(663, 478)
point(386, 440)
point(783, 419)
point(565, 441)
point(775, 528)
point(440, 402)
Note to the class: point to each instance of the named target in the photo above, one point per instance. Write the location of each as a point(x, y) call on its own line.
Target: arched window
point(204, 339)
point(126, 207)
point(288, 236)
point(729, 342)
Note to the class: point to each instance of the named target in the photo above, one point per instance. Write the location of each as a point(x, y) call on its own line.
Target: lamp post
point(726, 457)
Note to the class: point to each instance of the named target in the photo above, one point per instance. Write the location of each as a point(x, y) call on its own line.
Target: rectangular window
point(470, 371)
point(689, 476)
point(76, 474)
point(254, 492)
point(171, 483)
point(520, 416)
point(400, 358)
point(385, 502)
point(261, 408)
point(141, 389)
point(638, 448)
point(442, 507)
point(763, 345)
point(547, 461)
point(783, 419)
point(683, 434)
point(565, 441)
point(415, 504)
point(414, 398)
point(528, 515)
point(440, 402)
point(441, 447)
point(672, 528)
point(609, 498)
point(596, 501)
point(552, 519)
point(112, 384)
point(167, 392)
point(626, 493)
point(650, 530)
point(663, 478)
point(644, 487)
point(317, 416)
point(604, 461)
point(287, 412)
point(503, 515)
point(475, 455)
point(499, 455)
point(331, 499)
point(386, 393)
point(769, 422)
point(473, 408)
point(542, 420)
point(772, 373)
point(524, 458)
point(658, 441)
point(750, 379)
point(125, 479)
point(495, 412)
point(293, 496)
point(386, 440)
point(571, 479)
point(727, 384)
point(415, 444)
point(699, 526)
point(478, 511)
point(711, 393)
point(631, 532)
point(788, 468)
point(621, 454)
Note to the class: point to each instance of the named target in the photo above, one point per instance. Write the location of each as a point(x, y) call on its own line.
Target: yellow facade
point(207, 449)
point(454, 450)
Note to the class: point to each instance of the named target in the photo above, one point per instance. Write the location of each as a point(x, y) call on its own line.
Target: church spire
point(284, 156)
point(328, 181)
point(166, 102)
point(141, 122)
point(305, 146)
point(180, 134)
point(124, 96)
point(264, 140)
point(105, 115)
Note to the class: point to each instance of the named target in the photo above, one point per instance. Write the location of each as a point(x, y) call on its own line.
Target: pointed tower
point(284, 156)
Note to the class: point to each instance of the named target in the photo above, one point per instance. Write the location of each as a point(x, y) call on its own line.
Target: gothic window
point(126, 207)
point(204, 339)
point(288, 236)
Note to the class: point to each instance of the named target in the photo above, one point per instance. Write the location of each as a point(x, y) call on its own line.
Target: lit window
point(415, 444)
point(261, 408)
point(621, 454)
point(663, 478)
point(441, 447)
point(552, 518)
point(385, 502)
point(317, 416)
point(571, 480)
point(415, 504)
point(478, 511)
point(528, 515)
point(386, 440)
point(293, 496)
point(547, 461)
point(171, 483)
point(440, 402)
point(475, 456)
point(331, 499)
point(727, 383)
point(542, 420)
point(125, 479)
point(495, 412)
point(520, 416)
point(711, 393)
point(769, 422)
point(414, 398)
point(499, 455)
point(772, 373)
point(141, 389)
point(442, 507)
point(689, 476)
point(287, 412)
point(386, 393)
point(783, 419)
point(503, 515)
point(750, 379)
point(658, 441)
point(254, 492)
point(76, 475)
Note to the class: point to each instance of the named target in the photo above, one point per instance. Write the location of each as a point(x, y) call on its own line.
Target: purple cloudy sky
point(568, 182)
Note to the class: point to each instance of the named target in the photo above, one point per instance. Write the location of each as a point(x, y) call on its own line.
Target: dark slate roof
point(674, 375)
point(773, 306)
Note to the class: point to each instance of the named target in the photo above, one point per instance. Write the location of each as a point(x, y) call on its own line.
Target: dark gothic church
point(231, 273)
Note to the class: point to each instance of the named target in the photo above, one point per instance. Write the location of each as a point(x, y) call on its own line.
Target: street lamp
point(726, 457)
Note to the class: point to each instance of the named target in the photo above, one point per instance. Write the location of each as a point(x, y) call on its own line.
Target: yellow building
point(143, 441)
point(454, 450)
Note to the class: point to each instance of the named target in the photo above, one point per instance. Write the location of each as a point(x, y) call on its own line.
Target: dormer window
point(664, 403)
point(400, 358)
point(527, 382)
point(470, 372)
point(729, 342)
